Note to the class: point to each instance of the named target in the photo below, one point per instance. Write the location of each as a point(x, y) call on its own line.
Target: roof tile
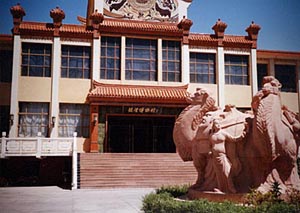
point(130, 93)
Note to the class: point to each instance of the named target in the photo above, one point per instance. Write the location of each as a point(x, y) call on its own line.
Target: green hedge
point(164, 200)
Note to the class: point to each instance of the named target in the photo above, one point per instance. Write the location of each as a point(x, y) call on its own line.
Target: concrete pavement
point(55, 199)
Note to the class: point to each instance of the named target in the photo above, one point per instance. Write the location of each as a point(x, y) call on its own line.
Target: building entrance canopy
point(134, 112)
point(135, 93)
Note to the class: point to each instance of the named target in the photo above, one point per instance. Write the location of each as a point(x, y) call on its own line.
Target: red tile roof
point(49, 28)
point(135, 93)
point(135, 28)
point(169, 29)
point(212, 40)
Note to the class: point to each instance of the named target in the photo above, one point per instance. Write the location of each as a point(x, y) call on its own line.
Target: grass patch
point(164, 200)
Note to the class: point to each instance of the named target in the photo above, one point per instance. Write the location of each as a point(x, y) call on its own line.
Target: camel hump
point(234, 121)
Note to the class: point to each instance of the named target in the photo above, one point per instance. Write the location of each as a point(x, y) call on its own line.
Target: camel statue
point(216, 162)
point(226, 145)
point(274, 138)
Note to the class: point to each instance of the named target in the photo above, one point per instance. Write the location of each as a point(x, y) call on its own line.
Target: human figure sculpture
point(221, 163)
point(205, 134)
point(192, 132)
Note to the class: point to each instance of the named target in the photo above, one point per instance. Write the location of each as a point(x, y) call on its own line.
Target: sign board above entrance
point(143, 110)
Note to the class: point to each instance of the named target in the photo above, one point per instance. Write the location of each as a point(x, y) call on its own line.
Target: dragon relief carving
point(155, 10)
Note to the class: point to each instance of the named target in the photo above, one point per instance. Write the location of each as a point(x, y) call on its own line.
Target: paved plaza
point(55, 199)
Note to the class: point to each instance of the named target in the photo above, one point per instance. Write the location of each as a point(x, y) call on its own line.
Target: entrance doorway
point(128, 134)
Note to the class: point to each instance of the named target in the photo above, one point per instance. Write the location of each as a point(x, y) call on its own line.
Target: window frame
point(169, 75)
point(261, 73)
point(81, 72)
point(84, 116)
point(291, 84)
point(195, 75)
point(114, 72)
point(25, 111)
point(228, 64)
point(132, 62)
point(28, 57)
point(6, 61)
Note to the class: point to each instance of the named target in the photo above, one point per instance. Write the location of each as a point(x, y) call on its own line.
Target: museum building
point(120, 77)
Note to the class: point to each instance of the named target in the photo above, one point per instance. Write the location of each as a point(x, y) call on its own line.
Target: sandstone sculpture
point(234, 152)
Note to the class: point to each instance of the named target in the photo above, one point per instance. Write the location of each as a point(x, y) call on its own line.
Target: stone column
point(123, 59)
point(185, 24)
point(57, 15)
point(219, 29)
point(96, 52)
point(253, 31)
point(55, 71)
point(159, 60)
point(94, 120)
point(253, 72)
point(221, 77)
point(16, 70)
point(18, 13)
point(185, 66)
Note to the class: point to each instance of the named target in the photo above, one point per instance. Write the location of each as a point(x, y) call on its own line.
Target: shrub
point(163, 201)
point(175, 191)
point(256, 198)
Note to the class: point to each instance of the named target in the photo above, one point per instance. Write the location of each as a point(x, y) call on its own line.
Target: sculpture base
point(214, 196)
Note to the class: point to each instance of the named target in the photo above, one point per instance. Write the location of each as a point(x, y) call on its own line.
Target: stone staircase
point(129, 170)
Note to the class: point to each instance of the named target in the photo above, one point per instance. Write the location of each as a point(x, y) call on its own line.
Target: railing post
point(39, 145)
point(74, 161)
point(3, 145)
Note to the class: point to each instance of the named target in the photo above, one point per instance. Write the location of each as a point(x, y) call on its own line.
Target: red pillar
point(94, 116)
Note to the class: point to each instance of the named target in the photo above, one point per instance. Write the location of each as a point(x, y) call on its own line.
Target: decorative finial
point(219, 28)
point(57, 15)
point(18, 13)
point(253, 30)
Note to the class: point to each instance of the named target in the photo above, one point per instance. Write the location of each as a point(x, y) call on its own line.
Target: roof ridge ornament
point(253, 31)
point(97, 18)
point(57, 15)
point(18, 13)
point(219, 28)
point(185, 24)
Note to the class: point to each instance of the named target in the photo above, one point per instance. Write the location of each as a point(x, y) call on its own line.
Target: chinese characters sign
point(143, 110)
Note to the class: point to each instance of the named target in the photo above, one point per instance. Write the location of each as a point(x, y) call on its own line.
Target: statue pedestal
point(215, 196)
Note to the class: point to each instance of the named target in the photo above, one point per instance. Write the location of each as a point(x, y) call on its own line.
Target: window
point(286, 75)
point(4, 118)
point(75, 62)
point(202, 68)
point(73, 118)
point(5, 65)
point(171, 55)
point(33, 118)
point(236, 69)
point(141, 59)
point(110, 58)
point(36, 59)
point(262, 71)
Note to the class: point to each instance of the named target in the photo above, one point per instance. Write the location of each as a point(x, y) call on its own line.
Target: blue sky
point(279, 19)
